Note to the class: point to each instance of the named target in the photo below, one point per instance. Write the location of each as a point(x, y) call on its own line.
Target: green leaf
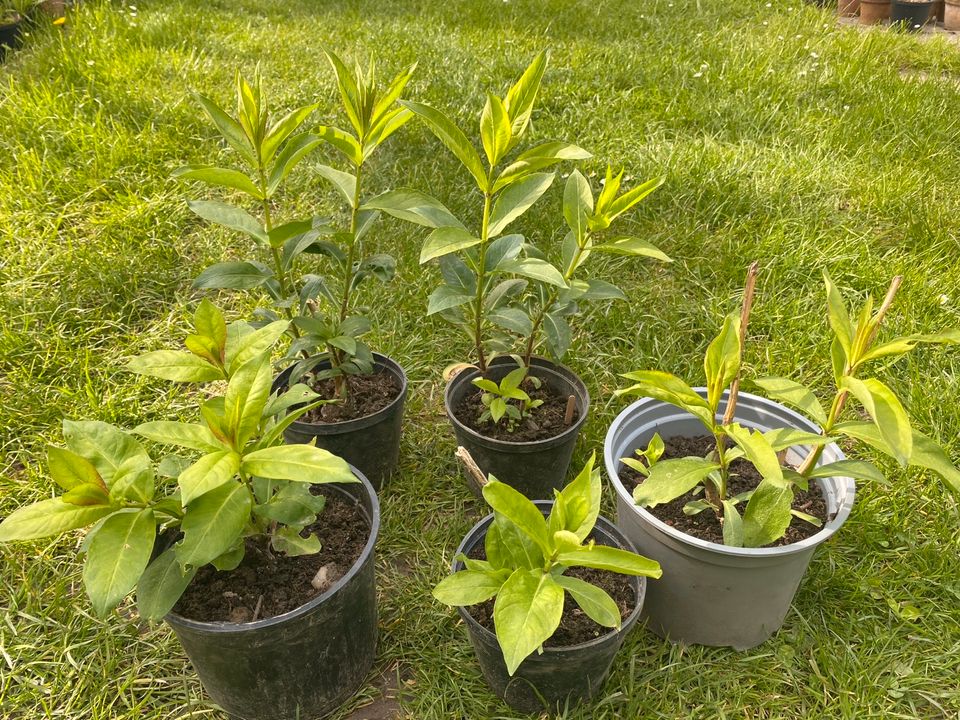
point(859, 469)
point(70, 470)
point(508, 546)
point(598, 606)
point(519, 510)
point(732, 525)
point(468, 587)
point(513, 319)
point(523, 94)
point(602, 290)
point(244, 343)
point(603, 557)
point(535, 269)
point(669, 479)
point(669, 389)
point(577, 204)
point(768, 514)
point(446, 297)
point(106, 446)
point(246, 396)
point(289, 541)
point(233, 275)
point(495, 131)
point(222, 177)
point(722, 360)
point(516, 200)
point(117, 555)
point(384, 128)
point(189, 435)
point(213, 523)
point(229, 128)
point(887, 413)
point(413, 206)
point(577, 506)
point(209, 323)
point(175, 365)
point(445, 240)
point(557, 332)
point(208, 473)
point(839, 318)
point(283, 129)
point(757, 450)
point(632, 246)
point(349, 93)
point(300, 463)
point(783, 438)
point(539, 158)
point(230, 216)
point(453, 137)
point(293, 504)
point(161, 585)
point(293, 152)
point(526, 614)
point(345, 183)
point(793, 393)
point(49, 517)
point(632, 197)
point(88, 494)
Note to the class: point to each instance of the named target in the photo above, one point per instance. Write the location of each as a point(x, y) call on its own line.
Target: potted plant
point(848, 8)
point(873, 12)
point(911, 15)
point(363, 424)
point(231, 555)
point(733, 492)
point(510, 579)
point(13, 17)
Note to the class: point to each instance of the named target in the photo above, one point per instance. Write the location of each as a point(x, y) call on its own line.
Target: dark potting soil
point(366, 395)
point(261, 587)
point(743, 476)
point(542, 423)
point(575, 626)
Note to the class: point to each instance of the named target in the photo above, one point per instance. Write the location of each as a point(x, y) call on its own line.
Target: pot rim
point(626, 624)
point(231, 627)
point(844, 508)
point(536, 362)
point(344, 426)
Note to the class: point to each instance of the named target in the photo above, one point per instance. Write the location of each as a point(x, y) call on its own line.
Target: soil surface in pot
point(575, 627)
point(261, 588)
point(543, 422)
point(367, 394)
point(743, 477)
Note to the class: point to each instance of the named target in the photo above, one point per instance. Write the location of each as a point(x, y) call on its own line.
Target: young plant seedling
point(240, 482)
point(478, 286)
point(768, 507)
point(497, 398)
point(526, 558)
point(542, 314)
point(320, 309)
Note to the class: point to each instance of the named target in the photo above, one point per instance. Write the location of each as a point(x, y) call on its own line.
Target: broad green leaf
point(289, 541)
point(793, 393)
point(577, 506)
point(106, 446)
point(446, 297)
point(393, 92)
point(300, 463)
point(295, 150)
point(134, 481)
point(669, 389)
point(859, 469)
point(519, 510)
point(213, 523)
point(603, 557)
point(413, 206)
point(767, 515)
point(732, 525)
point(88, 494)
point(229, 128)
point(523, 94)
point(446, 240)
point(349, 93)
point(244, 343)
point(516, 200)
point(839, 317)
point(451, 136)
point(175, 365)
point(632, 246)
point(526, 613)
point(392, 121)
point(631, 197)
point(221, 177)
point(513, 319)
point(468, 587)
point(233, 275)
point(757, 450)
point(887, 413)
point(246, 396)
point(117, 555)
point(669, 479)
point(161, 585)
point(208, 473)
point(903, 345)
point(577, 204)
point(495, 131)
point(345, 183)
point(283, 129)
point(557, 332)
point(189, 435)
point(49, 517)
point(70, 470)
point(293, 504)
point(722, 360)
point(535, 269)
point(783, 438)
point(537, 158)
point(602, 290)
point(230, 216)
point(596, 603)
point(209, 323)
point(511, 546)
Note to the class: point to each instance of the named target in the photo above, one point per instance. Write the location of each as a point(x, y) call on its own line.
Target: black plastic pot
point(561, 676)
point(304, 663)
point(10, 34)
point(533, 468)
point(911, 16)
point(371, 443)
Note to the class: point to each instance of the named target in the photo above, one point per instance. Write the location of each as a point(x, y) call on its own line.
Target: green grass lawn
point(783, 138)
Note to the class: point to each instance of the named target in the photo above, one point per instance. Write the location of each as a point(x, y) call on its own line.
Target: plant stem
point(481, 279)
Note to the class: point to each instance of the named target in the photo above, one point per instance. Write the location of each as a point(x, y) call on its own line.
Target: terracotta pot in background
point(938, 10)
point(874, 11)
point(951, 15)
point(53, 8)
point(847, 8)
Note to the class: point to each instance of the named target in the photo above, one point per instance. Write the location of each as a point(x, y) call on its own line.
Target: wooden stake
point(571, 406)
point(474, 473)
point(748, 290)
